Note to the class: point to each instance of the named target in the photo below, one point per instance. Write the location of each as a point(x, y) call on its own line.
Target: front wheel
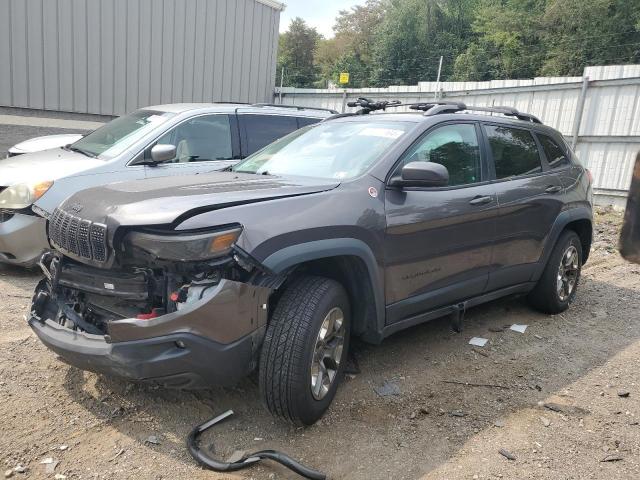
point(558, 284)
point(304, 350)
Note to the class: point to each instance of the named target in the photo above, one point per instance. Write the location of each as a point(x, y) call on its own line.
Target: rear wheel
point(558, 284)
point(305, 349)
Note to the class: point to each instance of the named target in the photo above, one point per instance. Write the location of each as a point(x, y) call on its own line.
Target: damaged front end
point(175, 292)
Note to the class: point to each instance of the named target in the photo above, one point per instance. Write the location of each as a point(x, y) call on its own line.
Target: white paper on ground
point(478, 341)
point(518, 328)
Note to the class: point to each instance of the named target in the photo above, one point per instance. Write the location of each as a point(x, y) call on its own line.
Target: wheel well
point(352, 273)
point(584, 229)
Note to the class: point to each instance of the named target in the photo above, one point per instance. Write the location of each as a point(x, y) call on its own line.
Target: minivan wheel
point(558, 284)
point(305, 349)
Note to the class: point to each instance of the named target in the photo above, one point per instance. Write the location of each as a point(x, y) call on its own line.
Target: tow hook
point(247, 460)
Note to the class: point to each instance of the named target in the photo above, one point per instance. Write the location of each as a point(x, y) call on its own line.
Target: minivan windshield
point(120, 134)
point(335, 150)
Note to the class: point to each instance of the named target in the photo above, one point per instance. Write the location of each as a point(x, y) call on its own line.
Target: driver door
point(205, 143)
point(439, 240)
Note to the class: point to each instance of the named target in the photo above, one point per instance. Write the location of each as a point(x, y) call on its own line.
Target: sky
point(317, 13)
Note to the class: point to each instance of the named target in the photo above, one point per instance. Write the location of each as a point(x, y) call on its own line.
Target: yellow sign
point(344, 78)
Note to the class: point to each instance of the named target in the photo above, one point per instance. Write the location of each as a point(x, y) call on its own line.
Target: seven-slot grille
point(80, 237)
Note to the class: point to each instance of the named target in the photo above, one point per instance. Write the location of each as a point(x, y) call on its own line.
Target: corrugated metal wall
point(113, 56)
point(609, 132)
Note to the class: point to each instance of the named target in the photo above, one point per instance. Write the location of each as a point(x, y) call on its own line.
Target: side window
point(304, 121)
point(261, 130)
point(556, 156)
point(201, 139)
point(454, 146)
point(515, 152)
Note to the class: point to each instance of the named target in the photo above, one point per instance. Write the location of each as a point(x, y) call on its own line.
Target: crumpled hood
point(46, 165)
point(162, 201)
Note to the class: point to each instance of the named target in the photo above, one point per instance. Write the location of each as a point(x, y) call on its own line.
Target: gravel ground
point(576, 364)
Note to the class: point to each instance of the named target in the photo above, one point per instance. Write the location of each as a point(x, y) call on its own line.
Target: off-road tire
point(545, 297)
point(285, 360)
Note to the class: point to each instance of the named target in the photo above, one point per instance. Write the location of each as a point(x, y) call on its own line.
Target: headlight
point(189, 247)
point(23, 195)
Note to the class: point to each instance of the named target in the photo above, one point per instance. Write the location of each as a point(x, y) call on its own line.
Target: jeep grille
point(79, 237)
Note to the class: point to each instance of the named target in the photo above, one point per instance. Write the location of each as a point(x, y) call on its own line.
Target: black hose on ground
point(246, 461)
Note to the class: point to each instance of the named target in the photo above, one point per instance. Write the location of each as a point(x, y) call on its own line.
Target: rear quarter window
point(556, 155)
point(514, 150)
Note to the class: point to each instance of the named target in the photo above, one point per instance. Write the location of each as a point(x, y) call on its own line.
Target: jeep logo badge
point(76, 208)
point(373, 191)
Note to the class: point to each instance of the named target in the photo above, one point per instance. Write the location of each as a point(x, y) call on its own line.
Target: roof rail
point(453, 107)
point(296, 107)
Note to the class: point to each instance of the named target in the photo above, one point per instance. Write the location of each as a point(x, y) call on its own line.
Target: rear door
point(439, 241)
point(529, 198)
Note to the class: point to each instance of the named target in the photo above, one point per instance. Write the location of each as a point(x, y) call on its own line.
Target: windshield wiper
point(83, 152)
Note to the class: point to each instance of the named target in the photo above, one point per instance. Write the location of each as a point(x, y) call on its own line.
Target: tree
point(578, 33)
point(351, 49)
point(414, 34)
point(507, 41)
point(296, 52)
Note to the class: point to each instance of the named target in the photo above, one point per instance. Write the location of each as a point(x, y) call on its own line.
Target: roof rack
point(296, 107)
point(458, 107)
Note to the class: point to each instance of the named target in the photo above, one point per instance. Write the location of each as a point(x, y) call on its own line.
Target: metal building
point(112, 56)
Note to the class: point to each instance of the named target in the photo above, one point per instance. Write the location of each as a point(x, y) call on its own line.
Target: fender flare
point(564, 219)
point(293, 255)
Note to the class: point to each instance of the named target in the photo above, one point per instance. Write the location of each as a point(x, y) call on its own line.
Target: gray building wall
point(112, 56)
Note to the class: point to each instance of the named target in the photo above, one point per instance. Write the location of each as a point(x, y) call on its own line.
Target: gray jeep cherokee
point(361, 225)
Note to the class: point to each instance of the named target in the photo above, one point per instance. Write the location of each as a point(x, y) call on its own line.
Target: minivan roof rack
point(296, 107)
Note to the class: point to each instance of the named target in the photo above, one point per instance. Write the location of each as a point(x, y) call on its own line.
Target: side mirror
point(422, 174)
point(163, 153)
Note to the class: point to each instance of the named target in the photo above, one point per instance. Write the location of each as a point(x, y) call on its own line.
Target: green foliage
point(296, 54)
point(386, 42)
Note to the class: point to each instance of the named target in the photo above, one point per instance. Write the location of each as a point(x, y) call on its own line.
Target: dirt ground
point(576, 363)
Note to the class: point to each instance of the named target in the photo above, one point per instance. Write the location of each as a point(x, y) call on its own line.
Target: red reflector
point(174, 296)
point(148, 316)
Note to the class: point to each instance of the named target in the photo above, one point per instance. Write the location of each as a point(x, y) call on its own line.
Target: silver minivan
point(176, 139)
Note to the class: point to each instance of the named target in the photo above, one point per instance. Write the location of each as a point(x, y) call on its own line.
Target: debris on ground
point(568, 409)
point(152, 439)
point(456, 413)
point(8, 473)
point(478, 341)
point(50, 464)
point(612, 458)
point(545, 421)
point(518, 328)
point(480, 352)
point(624, 393)
point(506, 454)
point(387, 389)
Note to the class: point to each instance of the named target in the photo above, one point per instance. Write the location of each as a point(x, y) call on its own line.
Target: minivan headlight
point(22, 195)
point(189, 247)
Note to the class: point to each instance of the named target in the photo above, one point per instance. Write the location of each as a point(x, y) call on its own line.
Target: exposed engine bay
point(88, 299)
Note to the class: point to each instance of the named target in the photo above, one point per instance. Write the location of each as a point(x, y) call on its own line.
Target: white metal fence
point(601, 110)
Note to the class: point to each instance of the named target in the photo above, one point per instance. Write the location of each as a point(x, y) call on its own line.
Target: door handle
point(553, 189)
point(481, 200)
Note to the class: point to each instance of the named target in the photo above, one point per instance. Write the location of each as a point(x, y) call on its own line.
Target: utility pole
point(435, 96)
point(281, 84)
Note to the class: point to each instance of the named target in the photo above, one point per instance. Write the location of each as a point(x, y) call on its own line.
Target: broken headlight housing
point(185, 247)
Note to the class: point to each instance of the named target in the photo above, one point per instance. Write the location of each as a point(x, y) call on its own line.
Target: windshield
point(336, 150)
point(120, 134)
